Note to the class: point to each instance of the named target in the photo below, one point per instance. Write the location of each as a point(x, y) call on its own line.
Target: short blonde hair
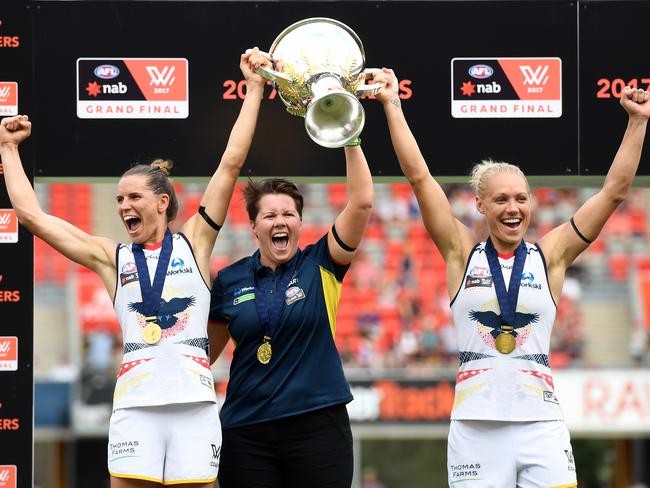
point(488, 167)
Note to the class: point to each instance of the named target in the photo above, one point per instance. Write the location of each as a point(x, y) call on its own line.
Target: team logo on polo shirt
point(294, 294)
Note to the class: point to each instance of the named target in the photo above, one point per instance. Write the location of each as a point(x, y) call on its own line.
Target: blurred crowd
point(394, 312)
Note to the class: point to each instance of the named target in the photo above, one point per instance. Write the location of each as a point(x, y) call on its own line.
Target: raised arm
point(96, 253)
point(351, 223)
point(452, 237)
point(563, 244)
point(219, 191)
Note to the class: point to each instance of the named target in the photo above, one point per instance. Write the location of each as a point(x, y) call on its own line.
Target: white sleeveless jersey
point(509, 387)
point(177, 368)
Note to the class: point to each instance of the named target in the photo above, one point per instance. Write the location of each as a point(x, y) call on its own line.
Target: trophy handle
point(271, 74)
point(366, 89)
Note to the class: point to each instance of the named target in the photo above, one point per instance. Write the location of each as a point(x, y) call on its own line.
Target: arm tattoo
point(396, 101)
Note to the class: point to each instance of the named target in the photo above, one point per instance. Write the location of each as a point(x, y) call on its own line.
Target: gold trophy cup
point(320, 74)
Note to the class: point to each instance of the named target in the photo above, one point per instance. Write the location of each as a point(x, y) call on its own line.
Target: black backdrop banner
point(609, 32)
point(419, 40)
point(531, 82)
point(16, 263)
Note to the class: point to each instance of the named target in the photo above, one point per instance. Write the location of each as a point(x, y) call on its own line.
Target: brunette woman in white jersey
point(507, 428)
point(165, 424)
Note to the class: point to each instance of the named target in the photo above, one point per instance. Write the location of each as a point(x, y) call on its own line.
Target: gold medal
point(151, 333)
point(505, 341)
point(264, 353)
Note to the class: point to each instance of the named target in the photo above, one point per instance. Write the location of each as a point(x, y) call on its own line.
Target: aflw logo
point(5, 91)
point(5, 218)
point(165, 77)
point(8, 476)
point(4, 347)
point(535, 77)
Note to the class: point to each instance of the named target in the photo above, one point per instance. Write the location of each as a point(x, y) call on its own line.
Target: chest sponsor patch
point(243, 298)
point(294, 294)
point(473, 282)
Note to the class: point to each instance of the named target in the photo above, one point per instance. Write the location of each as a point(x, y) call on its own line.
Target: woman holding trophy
point(507, 428)
point(284, 420)
point(165, 426)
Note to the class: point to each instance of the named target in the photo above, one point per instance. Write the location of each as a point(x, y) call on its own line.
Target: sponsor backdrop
point(478, 79)
point(16, 265)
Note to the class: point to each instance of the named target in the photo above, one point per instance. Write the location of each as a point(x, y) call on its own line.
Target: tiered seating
point(72, 203)
point(395, 290)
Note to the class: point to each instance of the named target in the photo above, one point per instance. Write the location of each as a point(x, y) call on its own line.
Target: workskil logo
point(132, 88)
point(8, 98)
point(506, 87)
point(8, 353)
point(8, 226)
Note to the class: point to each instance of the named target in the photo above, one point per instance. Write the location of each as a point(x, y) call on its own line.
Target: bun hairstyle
point(164, 165)
point(488, 167)
point(157, 173)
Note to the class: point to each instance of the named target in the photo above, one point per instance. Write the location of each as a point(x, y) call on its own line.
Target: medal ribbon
point(151, 294)
point(270, 319)
point(507, 298)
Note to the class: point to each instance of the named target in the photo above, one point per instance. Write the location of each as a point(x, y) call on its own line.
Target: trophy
point(319, 74)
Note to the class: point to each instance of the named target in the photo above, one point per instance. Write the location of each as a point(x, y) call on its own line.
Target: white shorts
point(168, 444)
point(489, 454)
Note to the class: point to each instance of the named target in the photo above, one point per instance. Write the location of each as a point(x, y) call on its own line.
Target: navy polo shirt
point(305, 372)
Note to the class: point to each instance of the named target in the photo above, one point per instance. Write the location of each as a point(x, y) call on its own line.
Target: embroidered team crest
point(294, 294)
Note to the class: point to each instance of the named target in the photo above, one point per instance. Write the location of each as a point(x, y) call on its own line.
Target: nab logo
point(536, 77)
point(8, 476)
point(165, 77)
point(480, 71)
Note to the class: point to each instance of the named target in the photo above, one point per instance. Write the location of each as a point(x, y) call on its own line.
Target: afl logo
point(129, 268)
point(480, 71)
point(107, 71)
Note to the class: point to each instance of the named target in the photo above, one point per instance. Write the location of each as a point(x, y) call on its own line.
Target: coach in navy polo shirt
point(284, 419)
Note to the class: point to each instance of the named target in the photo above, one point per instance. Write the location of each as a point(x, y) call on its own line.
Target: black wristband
point(580, 235)
point(207, 218)
point(338, 240)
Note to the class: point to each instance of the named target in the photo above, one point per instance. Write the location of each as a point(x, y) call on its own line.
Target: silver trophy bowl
point(319, 73)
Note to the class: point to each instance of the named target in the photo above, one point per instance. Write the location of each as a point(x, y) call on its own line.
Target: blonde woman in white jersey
point(507, 427)
point(165, 425)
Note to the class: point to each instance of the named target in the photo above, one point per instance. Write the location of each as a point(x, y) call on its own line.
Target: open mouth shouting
point(133, 223)
point(280, 241)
